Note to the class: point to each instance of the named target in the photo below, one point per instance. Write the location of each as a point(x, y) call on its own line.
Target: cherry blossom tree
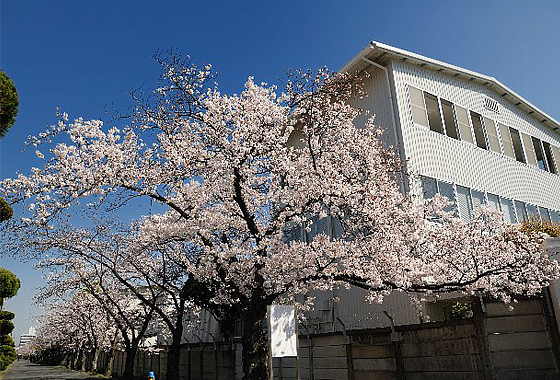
point(106, 312)
point(149, 277)
point(235, 173)
point(75, 326)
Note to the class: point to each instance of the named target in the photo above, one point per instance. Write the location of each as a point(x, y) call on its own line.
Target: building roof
point(380, 53)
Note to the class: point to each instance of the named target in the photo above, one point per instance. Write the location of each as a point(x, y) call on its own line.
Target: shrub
point(7, 315)
point(6, 340)
point(8, 351)
point(6, 327)
point(6, 360)
point(6, 211)
point(538, 225)
point(10, 103)
point(9, 285)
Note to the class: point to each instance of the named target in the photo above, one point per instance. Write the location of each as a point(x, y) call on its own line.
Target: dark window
point(478, 130)
point(477, 198)
point(549, 158)
point(318, 227)
point(539, 153)
point(521, 211)
point(545, 216)
point(446, 189)
point(517, 147)
point(464, 203)
point(555, 217)
point(508, 210)
point(429, 187)
point(530, 155)
point(556, 155)
point(434, 117)
point(449, 119)
point(493, 201)
point(337, 228)
point(532, 212)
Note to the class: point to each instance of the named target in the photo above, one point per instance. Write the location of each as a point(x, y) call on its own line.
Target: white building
point(26, 338)
point(466, 130)
point(469, 137)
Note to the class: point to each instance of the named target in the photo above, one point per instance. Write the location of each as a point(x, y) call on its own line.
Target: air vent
point(492, 105)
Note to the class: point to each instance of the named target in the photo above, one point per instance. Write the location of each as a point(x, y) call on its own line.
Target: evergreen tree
point(9, 103)
point(9, 285)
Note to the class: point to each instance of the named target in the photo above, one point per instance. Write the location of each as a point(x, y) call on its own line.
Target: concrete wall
point(495, 343)
point(520, 341)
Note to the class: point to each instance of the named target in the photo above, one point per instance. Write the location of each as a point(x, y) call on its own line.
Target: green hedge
point(10, 103)
point(6, 340)
point(7, 315)
point(6, 327)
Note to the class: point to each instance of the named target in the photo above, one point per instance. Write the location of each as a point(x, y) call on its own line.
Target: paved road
point(24, 370)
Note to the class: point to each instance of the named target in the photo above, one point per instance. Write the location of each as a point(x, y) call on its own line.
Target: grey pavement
point(23, 369)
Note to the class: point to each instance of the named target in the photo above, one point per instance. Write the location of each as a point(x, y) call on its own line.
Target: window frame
point(455, 125)
point(549, 155)
point(538, 146)
point(428, 95)
point(414, 105)
point(470, 206)
point(498, 135)
point(521, 145)
point(483, 129)
point(517, 203)
point(528, 210)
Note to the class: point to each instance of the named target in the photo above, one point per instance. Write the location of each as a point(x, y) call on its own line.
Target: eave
point(379, 53)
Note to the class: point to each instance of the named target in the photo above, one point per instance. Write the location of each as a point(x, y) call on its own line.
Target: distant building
point(26, 338)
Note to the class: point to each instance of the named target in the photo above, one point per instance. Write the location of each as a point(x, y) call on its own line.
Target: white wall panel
point(356, 312)
point(377, 102)
point(435, 155)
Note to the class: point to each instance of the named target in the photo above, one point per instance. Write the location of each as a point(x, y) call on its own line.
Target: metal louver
point(492, 105)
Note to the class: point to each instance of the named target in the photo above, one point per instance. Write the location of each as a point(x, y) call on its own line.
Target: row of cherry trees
point(117, 302)
point(87, 311)
point(227, 176)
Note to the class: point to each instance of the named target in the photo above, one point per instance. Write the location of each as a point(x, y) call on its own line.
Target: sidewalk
point(24, 370)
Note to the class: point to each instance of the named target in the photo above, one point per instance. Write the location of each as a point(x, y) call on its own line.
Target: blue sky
point(83, 56)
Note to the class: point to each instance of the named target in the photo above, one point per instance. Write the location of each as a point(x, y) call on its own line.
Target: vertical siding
point(200, 328)
point(439, 156)
point(377, 102)
point(356, 313)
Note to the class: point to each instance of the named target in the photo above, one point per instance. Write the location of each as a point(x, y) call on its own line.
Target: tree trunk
point(255, 344)
point(83, 359)
point(128, 373)
point(65, 362)
point(74, 361)
point(109, 367)
point(96, 353)
point(174, 350)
